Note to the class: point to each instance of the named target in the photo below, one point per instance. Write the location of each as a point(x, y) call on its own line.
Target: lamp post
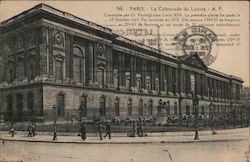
point(54, 111)
point(212, 117)
point(195, 104)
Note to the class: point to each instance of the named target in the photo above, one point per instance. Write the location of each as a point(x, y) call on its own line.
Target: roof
point(50, 9)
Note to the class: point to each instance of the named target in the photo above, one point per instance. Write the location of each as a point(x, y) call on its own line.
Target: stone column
point(188, 82)
point(109, 69)
point(205, 83)
point(162, 78)
point(132, 73)
point(199, 84)
point(152, 75)
point(71, 39)
point(50, 33)
point(181, 83)
point(184, 82)
point(202, 85)
point(176, 80)
point(120, 75)
point(43, 51)
point(170, 82)
point(144, 74)
point(91, 61)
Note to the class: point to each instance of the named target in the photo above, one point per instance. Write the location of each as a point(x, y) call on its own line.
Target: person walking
point(33, 130)
point(12, 131)
point(134, 128)
point(29, 131)
point(140, 128)
point(100, 129)
point(83, 131)
point(108, 130)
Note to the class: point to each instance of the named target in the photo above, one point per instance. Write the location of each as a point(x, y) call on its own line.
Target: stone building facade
point(49, 57)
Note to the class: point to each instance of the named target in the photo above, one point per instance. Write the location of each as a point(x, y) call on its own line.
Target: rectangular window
point(59, 70)
point(140, 107)
point(102, 106)
point(117, 108)
point(129, 107)
point(21, 71)
point(175, 108)
point(100, 76)
point(187, 110)
point(31, 71)
point(30, 103)
point(60, 105)
point(83, 106)
point(150, 107)
point(202, 110)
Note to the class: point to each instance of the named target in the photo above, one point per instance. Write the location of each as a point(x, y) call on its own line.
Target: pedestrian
point(33, 130)
point(12, 131)
point(134, 128)
point(108, 130)
point(100, 129)
point(140, 128)
point(29, 131)
point(83, 131)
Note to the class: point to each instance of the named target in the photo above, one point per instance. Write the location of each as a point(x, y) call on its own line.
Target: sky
point(232, 60)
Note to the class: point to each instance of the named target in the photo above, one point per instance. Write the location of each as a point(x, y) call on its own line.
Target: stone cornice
point(142, 55)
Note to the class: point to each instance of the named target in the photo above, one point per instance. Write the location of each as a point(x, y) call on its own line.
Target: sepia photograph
point(124, 81)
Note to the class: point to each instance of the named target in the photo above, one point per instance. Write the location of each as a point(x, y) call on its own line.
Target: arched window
point(78, 65)
point(83, 106)
point(30, 103)
point(10, 107)
point(60, 104)
point(117, 107)
point(129, 107)
point(102, 105)
point(140, 107)
point(150, 107)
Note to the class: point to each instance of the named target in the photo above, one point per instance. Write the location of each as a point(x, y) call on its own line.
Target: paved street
point(222, 147)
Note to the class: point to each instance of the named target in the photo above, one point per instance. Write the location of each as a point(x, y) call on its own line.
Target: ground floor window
point(83, 106)
point(140, 107)
point(60, 104)
point(129, 107)
point(102, 106)
point(150, 107)
point(117, 107)
point(10, 107)
point(30, 103)
point(175, 108)
point(187, 110)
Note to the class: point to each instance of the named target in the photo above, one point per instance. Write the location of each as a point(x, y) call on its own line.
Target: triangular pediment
point(193, 60)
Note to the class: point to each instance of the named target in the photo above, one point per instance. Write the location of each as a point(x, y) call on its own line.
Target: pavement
point(238, 134)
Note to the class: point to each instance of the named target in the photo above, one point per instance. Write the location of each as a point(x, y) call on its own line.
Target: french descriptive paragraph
point(149, 25)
